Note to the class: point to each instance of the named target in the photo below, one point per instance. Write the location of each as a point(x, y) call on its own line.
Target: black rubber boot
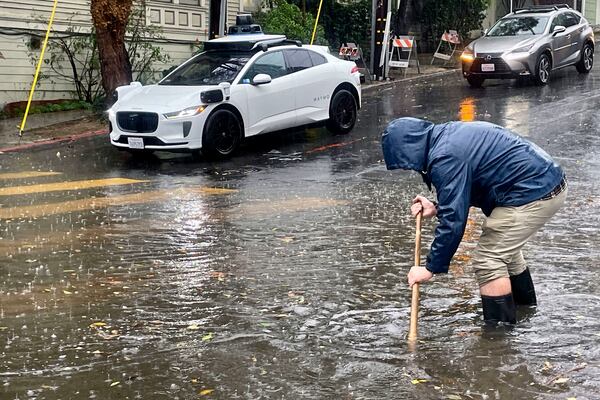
point(522, 289)
point(499, 310)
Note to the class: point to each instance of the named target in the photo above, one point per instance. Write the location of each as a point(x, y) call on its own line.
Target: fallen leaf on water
point(571, 398)
point(417, 381)
point(193, 327)
point(560, 381)
point(206, 392)
point(47, 290)
point(97, 324)
point(114, 384)
point(3, 328)
point(287, 239)
point(207, 337)
point(453, 397)
point(67, 292)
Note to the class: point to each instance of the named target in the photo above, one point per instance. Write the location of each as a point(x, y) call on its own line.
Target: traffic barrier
point(447, 47)
point(352, 52)
point(402, 47)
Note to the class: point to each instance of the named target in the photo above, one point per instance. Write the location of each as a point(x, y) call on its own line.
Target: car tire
point(222, 135)
point(342, 112)
point(475, 81)
point(543, 67)
point(584, 66)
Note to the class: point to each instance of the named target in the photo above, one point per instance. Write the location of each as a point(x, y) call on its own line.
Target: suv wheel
point(222, 135)
point(475, 81)
point(542, 70)
point(342, 112)
point(586, 62)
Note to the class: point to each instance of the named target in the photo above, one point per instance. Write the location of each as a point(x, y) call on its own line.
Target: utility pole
point(379, 13)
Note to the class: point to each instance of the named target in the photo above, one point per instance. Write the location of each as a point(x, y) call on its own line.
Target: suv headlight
point(187, 112)
point(467, 54)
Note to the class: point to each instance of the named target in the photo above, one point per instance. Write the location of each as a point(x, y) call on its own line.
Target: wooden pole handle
point(414, 305)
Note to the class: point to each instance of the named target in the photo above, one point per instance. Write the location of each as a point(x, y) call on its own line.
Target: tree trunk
point(110, 20)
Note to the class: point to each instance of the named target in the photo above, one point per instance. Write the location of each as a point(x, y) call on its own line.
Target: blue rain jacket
point(470, 164)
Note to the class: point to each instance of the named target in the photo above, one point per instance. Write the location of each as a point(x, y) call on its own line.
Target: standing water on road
point(282, 274)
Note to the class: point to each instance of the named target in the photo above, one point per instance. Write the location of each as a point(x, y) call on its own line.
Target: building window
point(183, 19)
point(190, 2)
point(170, 17)
point(197, 20)
point(154, 16)
point(164, 1)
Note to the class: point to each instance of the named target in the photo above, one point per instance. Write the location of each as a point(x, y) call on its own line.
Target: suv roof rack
point(541, 9)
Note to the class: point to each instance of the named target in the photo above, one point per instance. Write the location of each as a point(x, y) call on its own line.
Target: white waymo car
point(240, 86)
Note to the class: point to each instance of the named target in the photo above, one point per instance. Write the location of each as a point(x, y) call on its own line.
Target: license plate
point(135, 143)
point(488, 67)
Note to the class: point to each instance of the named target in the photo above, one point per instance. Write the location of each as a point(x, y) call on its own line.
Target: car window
point(316, 58)
point(559, 20)
point(272, 64)
point(518, 26)
point(298, 60)
point(571, 19)
point(210, 68)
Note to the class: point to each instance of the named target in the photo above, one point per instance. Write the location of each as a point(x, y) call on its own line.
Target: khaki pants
point(505, 231)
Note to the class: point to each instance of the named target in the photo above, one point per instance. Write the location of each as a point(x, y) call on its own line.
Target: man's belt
point(557, 190)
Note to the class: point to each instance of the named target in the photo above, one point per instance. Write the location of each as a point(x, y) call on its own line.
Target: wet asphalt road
point(281, 274)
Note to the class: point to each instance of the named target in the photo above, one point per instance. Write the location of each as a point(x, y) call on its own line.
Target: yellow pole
point(316, 22)
point(37, 70)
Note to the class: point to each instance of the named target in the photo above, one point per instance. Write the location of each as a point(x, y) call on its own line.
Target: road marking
point(70, 185)
point(26, 174)
point(41, 210)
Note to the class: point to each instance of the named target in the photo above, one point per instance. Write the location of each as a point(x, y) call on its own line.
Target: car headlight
point(522, 49)
point(467, 55)
point(187, 112)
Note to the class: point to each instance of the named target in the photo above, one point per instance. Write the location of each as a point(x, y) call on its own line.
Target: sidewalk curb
point(371, 90)
point(54, 140)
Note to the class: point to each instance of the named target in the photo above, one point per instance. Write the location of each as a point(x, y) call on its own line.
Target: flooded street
point(281, 274)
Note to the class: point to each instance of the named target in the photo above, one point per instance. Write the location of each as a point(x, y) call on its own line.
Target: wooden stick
point(414, 306)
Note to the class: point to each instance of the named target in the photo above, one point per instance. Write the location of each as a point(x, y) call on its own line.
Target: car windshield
point(519, 26)
point(210, 68)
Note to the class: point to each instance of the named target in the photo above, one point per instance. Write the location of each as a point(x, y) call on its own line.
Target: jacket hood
point(405, 144)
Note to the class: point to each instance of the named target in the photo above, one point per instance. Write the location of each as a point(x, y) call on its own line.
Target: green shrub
point(287, 19)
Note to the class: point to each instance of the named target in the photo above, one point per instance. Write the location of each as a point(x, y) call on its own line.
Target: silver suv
point(530, 42)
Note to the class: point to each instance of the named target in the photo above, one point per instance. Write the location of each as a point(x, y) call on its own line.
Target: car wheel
point(542, 70)
point(222, 134)
point(475, 81)
point(342, 112)
point(584, 65)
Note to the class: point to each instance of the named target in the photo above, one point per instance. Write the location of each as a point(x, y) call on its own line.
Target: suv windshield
point(519, 26)
point(210, 68)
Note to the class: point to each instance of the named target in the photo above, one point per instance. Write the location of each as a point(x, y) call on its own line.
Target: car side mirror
point(261, 79)
point(211, 96)
point(558, 29)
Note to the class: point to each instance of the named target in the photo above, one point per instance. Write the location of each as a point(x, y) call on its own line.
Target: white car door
point(315, 78)
point(271, 106)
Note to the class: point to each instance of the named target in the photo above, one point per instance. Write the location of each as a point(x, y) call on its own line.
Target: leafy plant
point(438, 16)
point(287, 19)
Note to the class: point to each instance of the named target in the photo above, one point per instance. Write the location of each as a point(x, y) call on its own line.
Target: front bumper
point(166, 134)
point(504, 67)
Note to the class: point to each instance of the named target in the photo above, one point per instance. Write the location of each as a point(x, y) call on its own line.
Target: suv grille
point(500, 65)
point(140, 122)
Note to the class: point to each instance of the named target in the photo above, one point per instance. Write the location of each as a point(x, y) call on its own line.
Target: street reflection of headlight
point(187, 112)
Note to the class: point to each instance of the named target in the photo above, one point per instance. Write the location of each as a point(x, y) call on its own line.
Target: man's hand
point(422, 203)
point(418, 274)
